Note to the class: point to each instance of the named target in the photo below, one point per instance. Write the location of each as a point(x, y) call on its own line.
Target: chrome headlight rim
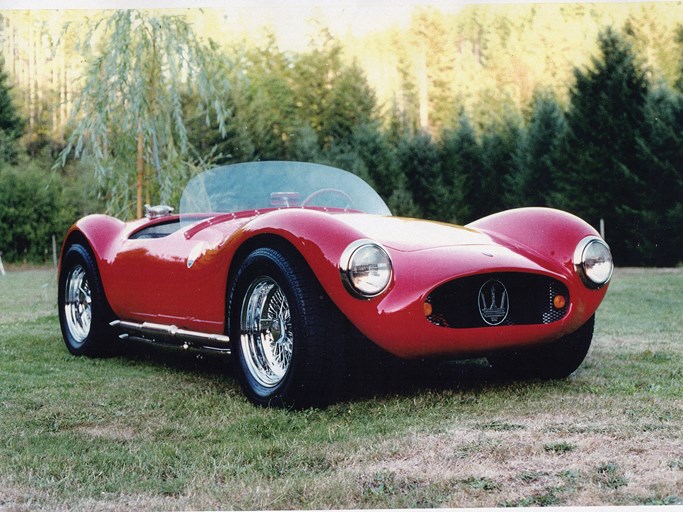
point(580, 262)
point(346, 269)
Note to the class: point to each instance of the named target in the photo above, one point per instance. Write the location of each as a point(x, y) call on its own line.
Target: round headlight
point(593, 261)
point(365, 268)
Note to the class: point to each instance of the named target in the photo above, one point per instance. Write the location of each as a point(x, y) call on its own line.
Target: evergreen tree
point(498, 145)
point(379, 156)
point(265, 104)
point(602, 165)
point(305, 146)
point(11, 125)
point(436, 70)
point(313, 74)
point(534, 179)
point(663, 204)
point(418, 157)
point(405, 110)
point(350, 103)
point(463, 171)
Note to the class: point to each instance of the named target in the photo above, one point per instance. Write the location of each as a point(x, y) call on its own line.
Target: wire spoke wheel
point(266, 332)
point(78, 304)
point(288, 351)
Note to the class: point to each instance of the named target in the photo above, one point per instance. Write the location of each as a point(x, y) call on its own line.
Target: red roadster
point(270, 261)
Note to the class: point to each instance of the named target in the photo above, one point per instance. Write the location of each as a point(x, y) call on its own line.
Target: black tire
point(84, 313)
point(555, 360)
point(305, 365)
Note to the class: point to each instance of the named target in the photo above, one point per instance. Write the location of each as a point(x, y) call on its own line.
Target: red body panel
point(181, 279)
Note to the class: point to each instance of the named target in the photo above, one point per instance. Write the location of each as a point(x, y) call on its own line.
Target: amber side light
point(559, 301)
point(427, 308)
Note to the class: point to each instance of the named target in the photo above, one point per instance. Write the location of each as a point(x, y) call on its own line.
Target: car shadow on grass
point(371, 372)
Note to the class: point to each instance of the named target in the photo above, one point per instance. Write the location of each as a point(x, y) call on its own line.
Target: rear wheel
point(285, 332)
point(84, 314)
point(555, 360)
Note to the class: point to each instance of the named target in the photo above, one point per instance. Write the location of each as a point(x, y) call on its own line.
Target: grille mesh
point(456, 304)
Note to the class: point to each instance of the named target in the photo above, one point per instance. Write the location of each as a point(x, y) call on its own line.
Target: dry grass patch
point(611, 461)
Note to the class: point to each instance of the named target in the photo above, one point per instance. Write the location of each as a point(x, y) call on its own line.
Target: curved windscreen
point(261, 185)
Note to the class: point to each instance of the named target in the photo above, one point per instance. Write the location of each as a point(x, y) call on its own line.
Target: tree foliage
point(535, 157)
point(32, 210)
point(129, 113)
point(11, 125)
point(608, 146)
point(604, 170)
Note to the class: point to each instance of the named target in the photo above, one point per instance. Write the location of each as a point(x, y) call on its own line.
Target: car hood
point(406, 235)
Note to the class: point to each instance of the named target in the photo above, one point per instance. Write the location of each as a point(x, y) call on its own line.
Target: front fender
point(546, 235)
point(319, 237)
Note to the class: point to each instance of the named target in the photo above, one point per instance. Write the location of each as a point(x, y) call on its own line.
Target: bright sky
point(289, 19)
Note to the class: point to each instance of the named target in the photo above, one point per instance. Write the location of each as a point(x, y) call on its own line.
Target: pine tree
point(313, 74)
point(11, 125)
point(350, 103)
point(535, 159)
point(462, 169)
point(372, 145)
point(498, 145)
point(264, 103)
point(602, 166)
point(418, 157)
point(663, 216)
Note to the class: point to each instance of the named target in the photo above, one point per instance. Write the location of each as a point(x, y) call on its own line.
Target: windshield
point(261, 185)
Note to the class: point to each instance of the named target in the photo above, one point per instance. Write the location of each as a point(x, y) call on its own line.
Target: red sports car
point(271, 261)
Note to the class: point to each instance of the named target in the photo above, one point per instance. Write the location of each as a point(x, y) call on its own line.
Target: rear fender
point(99, 232)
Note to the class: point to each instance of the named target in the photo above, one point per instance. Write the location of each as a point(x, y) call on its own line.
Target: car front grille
point(497, 299)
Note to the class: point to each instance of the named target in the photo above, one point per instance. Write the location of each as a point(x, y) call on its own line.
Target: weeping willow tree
point(129, 115)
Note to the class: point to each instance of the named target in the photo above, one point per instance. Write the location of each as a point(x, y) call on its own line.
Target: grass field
point(158, 432)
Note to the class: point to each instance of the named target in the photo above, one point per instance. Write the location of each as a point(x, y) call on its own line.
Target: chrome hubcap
point(78, 304)
point(266, 332)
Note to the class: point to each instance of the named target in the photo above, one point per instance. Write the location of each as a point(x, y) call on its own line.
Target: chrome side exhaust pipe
point(171, 336)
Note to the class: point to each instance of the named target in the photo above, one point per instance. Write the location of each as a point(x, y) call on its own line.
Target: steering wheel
point(335, 191)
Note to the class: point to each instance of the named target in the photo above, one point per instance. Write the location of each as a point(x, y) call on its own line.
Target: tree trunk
point(423, 94)
point(140, 176)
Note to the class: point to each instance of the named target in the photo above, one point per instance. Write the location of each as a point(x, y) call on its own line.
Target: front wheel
point(555, 360)
point(285, 332)
point(84, 313)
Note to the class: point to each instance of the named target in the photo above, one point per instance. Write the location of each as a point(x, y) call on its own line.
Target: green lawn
point(161, 432)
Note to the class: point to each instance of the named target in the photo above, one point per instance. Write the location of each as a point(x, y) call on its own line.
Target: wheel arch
point(95, 232)
point(269, 240)
point(322, 266)
point(77, 251)
point(76, 237)
point(317, 238)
